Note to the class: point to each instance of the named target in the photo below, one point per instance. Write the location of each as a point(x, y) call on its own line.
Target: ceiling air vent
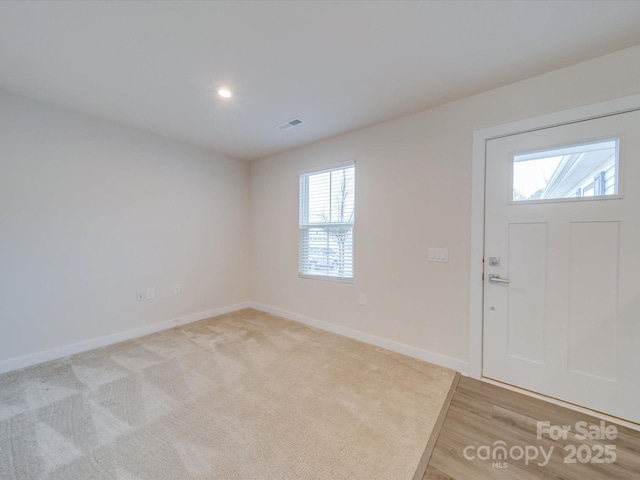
point(290, 124)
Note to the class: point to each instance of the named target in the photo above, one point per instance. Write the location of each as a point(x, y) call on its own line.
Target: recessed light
point(224, 92)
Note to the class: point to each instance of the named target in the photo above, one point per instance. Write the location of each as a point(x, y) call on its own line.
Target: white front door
point(562, 263)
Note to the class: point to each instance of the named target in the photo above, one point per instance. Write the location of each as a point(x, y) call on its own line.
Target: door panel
point(567, 324)
point(527, 291)
point(593, 298)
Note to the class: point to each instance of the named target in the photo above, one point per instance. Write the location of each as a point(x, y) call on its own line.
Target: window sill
point(327, 278)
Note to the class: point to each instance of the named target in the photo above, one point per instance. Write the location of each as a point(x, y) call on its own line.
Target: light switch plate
point(438, 255)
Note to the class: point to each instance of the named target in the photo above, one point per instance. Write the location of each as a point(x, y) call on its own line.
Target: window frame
point(304, 225)
point(618, 171)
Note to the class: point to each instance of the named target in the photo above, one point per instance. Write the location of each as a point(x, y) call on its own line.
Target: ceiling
point(337, 65)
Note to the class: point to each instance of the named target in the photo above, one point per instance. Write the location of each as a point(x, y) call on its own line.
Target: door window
point(576, 171)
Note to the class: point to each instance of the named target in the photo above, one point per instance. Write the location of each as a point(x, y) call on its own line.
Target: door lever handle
point(496, 279)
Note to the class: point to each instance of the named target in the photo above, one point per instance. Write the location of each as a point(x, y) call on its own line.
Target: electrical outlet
point(151, 293)
point(140, 295)
point(177, 288)
point(363, 299)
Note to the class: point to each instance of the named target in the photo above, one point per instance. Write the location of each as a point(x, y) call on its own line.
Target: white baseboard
point(427, 356)
point(55, 353)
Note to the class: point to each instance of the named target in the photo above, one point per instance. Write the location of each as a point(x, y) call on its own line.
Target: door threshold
point(562, 403)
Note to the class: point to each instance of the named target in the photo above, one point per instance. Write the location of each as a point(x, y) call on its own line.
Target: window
point(587, 170)
point(327, 201)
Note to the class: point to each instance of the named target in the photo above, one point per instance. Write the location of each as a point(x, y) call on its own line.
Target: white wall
point(413, 191)
point(91, 211)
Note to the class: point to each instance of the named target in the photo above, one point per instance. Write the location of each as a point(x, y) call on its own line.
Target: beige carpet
point(245, 395)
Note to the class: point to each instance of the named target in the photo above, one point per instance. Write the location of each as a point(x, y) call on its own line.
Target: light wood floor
point(481, 414)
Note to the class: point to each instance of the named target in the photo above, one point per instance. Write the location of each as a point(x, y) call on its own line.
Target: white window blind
point(327, 208)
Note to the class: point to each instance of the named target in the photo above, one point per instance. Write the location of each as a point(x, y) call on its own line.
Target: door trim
point(478, 164)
